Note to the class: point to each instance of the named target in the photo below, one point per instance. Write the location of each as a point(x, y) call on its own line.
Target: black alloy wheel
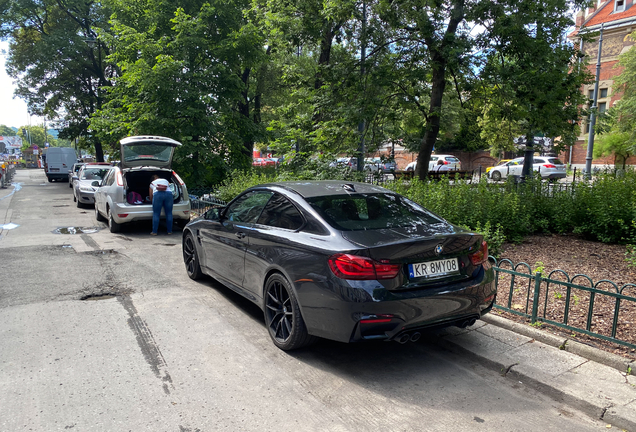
point(282, 315)
point(191, 258)
point(496, 175)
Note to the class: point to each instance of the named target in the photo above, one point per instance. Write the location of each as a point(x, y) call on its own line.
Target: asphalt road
point(105, 332)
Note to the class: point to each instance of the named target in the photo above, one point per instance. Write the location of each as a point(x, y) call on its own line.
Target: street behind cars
point(342, 261)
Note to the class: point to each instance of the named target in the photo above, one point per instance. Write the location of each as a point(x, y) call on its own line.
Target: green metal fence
point(600, 310)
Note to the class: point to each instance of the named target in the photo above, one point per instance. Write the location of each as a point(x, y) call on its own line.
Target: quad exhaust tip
point(406, 337)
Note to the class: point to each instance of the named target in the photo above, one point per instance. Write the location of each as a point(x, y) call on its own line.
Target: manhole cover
point(76, 230)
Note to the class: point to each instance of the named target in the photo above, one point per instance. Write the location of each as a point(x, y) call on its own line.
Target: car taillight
point(549, 166)
point(446, 162)
point(178, 178)
point(354, 267)
point(481, 255)
point(120, 181)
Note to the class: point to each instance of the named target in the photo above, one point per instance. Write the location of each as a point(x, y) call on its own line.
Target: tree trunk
point(244, 110)
point(439, 63)
point(433, 120)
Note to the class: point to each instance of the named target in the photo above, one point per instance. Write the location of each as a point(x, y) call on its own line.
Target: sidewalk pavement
point(601, 384)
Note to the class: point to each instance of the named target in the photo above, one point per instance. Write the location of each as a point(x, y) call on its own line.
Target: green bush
point(602, 209)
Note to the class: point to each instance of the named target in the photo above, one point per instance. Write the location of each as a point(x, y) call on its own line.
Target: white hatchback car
point(549, 167)
point(452, 162)
point(122, 196)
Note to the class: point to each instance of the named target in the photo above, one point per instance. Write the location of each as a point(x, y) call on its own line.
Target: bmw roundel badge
point(439, 249)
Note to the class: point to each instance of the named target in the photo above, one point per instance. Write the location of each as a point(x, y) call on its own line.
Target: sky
point(13, 112)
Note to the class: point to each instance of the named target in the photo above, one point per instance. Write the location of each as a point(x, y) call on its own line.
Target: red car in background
point(265, 162)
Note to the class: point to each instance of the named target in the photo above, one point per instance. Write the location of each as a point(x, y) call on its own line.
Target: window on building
point(591, 94)
point(602, 107)
point(619, 5)
point(603, 93)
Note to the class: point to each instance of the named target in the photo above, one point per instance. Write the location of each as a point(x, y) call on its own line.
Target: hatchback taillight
point(549, 166)
point(481, 255)
point(354, 267)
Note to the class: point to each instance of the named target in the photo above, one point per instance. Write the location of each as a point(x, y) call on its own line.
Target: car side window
point(110, 178)
point(248, 207)
point(281, 213)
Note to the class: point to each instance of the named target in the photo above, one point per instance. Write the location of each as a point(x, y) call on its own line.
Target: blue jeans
point(159, 200)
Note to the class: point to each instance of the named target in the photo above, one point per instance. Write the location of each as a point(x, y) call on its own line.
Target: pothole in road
point(76, 230)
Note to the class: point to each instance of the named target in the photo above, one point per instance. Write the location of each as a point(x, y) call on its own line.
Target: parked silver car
point(73, 173)
point(549, 167)
point(82, 183)
point(122, 196)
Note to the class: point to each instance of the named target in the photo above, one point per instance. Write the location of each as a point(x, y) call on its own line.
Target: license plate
point(54, 169)
point(434, 268)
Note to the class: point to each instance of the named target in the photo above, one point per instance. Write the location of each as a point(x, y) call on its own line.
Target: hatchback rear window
point(371, 211)
point(452, 159)
point(555, 161)
point(149, 152)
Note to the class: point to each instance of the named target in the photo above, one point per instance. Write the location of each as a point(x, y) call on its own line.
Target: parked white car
point(122, 196)
point(549, 167)
point(452, 163)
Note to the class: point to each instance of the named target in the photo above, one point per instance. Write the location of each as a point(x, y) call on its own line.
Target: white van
point(59, 160)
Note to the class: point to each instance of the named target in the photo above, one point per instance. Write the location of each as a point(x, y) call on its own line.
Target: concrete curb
point(617, 362)
point(585, 378)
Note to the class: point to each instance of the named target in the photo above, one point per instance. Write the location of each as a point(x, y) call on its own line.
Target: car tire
point(114, 226)
point(77, 201)
point(191, 258)
point(496, 175)
point(98, 215)
point(70, 185)
point(50, 179)
point(282, 315)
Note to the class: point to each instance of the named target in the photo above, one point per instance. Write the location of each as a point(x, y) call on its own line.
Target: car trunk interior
point(139, 181)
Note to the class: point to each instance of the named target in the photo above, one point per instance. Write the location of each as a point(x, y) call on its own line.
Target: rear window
point(555, 161)
point(452, 159)
point(160, 153)
point(371, 211)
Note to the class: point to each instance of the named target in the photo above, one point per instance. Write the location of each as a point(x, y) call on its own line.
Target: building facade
point(618, 19)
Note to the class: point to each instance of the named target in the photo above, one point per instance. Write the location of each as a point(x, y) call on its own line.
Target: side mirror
point(96, 184)
point(213, 214)
point(74, 178)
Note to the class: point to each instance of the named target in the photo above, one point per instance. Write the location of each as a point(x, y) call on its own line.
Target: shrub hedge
point(602, 209)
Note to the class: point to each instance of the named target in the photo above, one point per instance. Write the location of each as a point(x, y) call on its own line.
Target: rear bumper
point(144, 212)
point(57, 176)
point(363, 310)
point(553, 175)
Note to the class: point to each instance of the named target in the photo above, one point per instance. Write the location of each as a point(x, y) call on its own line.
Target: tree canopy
point(299, 78)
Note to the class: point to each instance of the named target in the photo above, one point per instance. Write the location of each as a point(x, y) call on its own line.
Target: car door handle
point(240, 235)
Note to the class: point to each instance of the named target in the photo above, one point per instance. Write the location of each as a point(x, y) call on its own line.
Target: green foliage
point(299, 168)
point(56, 71)
point(630, 255)
point(603, 210)
point(7, 131)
